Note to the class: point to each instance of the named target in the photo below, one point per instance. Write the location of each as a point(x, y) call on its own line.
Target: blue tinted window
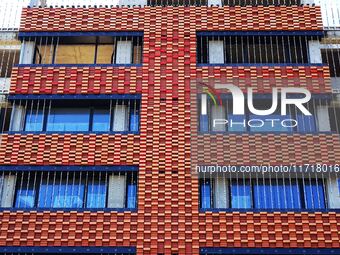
point(131, 195)
point(236, 123)
point(60, 194)
point(96, 194)
point(66, 119)
point(314, 194)
point(134, 121)
point(25, 195)
point(240, 194)
point(204, 126)
point(277, 194)
point(306, 123)
point(205, 194)
point(101, 120)
point(34, 120)
point(272, 123)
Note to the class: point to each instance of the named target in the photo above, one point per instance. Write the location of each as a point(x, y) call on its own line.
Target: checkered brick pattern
point(168, 219)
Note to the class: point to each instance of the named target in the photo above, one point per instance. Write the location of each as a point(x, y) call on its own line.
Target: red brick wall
point(168, 219)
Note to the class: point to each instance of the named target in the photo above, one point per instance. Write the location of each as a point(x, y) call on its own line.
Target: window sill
point(79, 65)
point(260, 64)
point(12, 209)
point(72, 132)
point(215, 210)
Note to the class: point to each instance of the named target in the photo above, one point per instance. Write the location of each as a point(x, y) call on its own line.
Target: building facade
point(112, 109)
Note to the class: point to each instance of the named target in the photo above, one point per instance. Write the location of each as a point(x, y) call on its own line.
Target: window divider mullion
point(96, 50)
point(111, 117)
point(45, 117)
point(91, 119)
point(54, 52)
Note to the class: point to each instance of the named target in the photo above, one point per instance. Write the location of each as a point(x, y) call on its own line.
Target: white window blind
point(27, 52)
point(17, 118)
point(218, 113)
point(221, 192)
point(216, 52)
point(117, 191)
point(323, 118)
point(7, 190)
point(124, 52)
point(120, 118)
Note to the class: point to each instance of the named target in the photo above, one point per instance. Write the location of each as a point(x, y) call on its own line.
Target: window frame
point(55, 37)
point(205, 121)
point(132, 103)
point(19, 172)
point(252, 184)
point(203, 51)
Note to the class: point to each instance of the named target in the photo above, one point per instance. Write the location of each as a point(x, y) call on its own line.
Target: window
point(68, 189)
point(116, 115)
point(252, 49)
point(258, 251)
point(262, 193)
point(112, 250)
point(9, 56)
point(331, 57)
point(222, 2)
point(219, 118)
point(84, 49)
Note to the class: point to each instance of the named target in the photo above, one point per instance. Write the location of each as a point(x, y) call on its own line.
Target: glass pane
point(236, 123)
point(120, 118)
point(96, 194)
point(270, 123)
point(277, 194)
point(240, 194)
point(105, 53)
point(314, 194)
point(61, 194)
point(205, 194)
point(75, 54)
point(101, 120)
point(25, 195)
point(65, 119)
point(131, 195)
point(44, 53)
point(204, 123)
point(134, 121)
point(306, 123)
point(34, 120)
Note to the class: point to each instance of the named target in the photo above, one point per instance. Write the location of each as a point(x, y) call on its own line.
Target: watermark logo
point(289, 97)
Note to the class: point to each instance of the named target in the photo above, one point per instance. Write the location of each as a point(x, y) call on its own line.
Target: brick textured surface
point(168, 219)
point(200, 18)
point(107, 80)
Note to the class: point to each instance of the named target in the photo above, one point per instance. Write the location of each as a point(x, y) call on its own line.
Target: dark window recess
point(88, 50)
point(65, 189)
point(68, 116)
point(253, 49)
point(8, 58)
